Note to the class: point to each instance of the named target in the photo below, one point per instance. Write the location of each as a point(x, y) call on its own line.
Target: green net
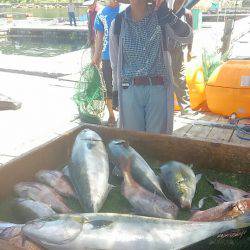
point(89, 95)
point(210, 61)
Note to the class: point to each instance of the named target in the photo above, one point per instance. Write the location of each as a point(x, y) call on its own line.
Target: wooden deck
point(198, 127)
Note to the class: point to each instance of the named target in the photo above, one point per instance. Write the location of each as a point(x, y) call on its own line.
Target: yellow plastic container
point(176, 105)
point(196, 84)
point(228, 89)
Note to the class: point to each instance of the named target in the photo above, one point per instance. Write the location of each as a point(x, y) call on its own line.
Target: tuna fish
point(141, 171)
point(56, 180)
point(89, 170)
point(30, 210)
point(12, 238)
point(180, 181)
point(224, 211)
point(145, 202)
point(40, 192)
point(123, 232)
point(229, 193)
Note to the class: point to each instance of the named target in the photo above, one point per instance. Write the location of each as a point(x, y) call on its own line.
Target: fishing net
point(89, 95)
point(210, 62)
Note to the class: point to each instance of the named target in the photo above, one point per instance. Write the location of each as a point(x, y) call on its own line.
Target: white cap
point(88, 2)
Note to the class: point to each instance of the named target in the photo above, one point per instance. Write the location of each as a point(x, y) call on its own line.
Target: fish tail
point(242, 221)
point(125, 164)
point(208, 180)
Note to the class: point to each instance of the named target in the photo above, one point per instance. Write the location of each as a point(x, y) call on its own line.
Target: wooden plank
point(180, 127)
point(200, 131)
point(221, 134)
point(203, 154)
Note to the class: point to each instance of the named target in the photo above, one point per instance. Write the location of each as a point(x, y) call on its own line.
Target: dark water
point(42, 12)
point(118, 204)
point(42, 47)
point(39, 48)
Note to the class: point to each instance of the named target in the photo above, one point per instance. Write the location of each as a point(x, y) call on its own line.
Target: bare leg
point(111, 120)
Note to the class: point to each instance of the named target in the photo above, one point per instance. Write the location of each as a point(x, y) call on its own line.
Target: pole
point(226, 39)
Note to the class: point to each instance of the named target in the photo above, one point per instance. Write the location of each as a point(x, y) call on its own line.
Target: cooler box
point(228, 89)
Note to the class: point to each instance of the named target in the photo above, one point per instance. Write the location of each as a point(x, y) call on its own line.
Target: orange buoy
point(196, 84)
point(228, 89)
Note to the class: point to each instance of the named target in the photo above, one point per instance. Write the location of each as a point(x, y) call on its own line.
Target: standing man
point(93, 8)
point(71, 13)
point(179, 68)
point(102, 27)
point(139, 49)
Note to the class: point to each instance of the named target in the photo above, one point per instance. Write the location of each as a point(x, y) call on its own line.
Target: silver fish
point(180, 181)
point(123, 232)
point(30, 210)
point(145, 202)
point(40, 192)
point(89, 170)
point(229, 193)
point(141, 171)
point(56, 180)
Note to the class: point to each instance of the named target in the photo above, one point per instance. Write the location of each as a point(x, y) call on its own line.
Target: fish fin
point(117, 172)
point(198, 177)
point(219, 199)
point(126, 162)
point(201, 202)
point(111, 187)
point(232, 234)
point(209, 181)
point(191, 166)
point(246, 196)
point(99, 224)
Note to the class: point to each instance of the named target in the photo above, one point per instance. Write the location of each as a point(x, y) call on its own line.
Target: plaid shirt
point(142, 47)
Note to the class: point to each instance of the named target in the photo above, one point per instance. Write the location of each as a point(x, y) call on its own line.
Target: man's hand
point(190, 56)
point(96, 61)
point(178, 4)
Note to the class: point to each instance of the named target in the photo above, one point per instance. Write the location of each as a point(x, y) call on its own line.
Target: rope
point(242, 131)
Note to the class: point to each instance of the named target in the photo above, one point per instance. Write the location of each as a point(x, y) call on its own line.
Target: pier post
point(226, 39)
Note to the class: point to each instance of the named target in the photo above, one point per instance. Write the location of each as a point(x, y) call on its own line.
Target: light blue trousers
point(145, 108)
